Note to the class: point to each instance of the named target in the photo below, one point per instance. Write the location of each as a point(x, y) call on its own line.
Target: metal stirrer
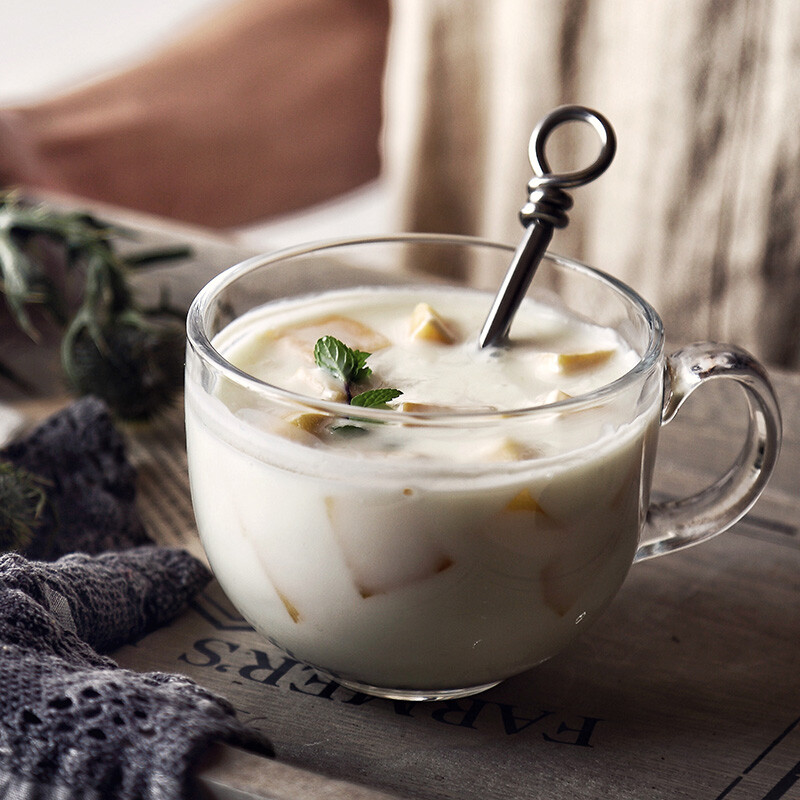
point(545, 210)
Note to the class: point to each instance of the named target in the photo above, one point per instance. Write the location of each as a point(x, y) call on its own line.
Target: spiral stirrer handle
point(545, 211)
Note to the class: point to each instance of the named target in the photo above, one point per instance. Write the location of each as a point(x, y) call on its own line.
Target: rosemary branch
point(112, 347)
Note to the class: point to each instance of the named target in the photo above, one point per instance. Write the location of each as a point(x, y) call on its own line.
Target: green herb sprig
point(350, 367)
point(375, 398)
point(22, 501)
point(129, 356)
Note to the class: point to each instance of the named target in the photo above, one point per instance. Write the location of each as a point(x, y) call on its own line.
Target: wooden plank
point(228, 773)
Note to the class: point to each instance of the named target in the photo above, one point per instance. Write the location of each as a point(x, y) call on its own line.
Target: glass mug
point(438, 577)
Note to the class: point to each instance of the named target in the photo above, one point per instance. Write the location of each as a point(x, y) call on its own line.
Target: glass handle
point(675, 524)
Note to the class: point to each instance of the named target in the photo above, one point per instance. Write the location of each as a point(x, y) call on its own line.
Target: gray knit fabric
point(73, 724)
point(91, 487)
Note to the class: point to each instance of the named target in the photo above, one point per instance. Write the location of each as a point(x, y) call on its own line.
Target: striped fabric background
point(698, 212)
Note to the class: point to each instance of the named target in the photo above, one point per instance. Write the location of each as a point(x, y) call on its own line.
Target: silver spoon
point(545, 211)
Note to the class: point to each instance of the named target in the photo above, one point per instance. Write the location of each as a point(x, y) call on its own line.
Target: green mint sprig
point(350, 367)
point(341, 361)
point(375, 398)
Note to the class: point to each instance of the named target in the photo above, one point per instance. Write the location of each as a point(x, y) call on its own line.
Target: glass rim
point(199, 341)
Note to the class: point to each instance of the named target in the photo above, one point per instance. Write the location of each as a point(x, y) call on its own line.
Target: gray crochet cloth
point(73, 724)
point(91, 485)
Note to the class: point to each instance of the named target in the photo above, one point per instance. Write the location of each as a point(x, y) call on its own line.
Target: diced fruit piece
point(290, 607)
point(310, 422)
point(525, 501)
point(302, 338)
point(522, 529)
point(432, 408)
point(570, 363)
point(560, 590)
point(444, 563)
point(556, 396)
point(379, 565)
point(315, 382)
point(427, 325)
point(421, 408)
point(510, 450)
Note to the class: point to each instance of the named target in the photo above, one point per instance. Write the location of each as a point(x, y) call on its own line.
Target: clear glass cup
point(438, 577)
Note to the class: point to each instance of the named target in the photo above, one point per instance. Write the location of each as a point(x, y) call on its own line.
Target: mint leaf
point(362, 371)
point(350, 366)
point(337, 358)
point(375, 398)
point(349, 430)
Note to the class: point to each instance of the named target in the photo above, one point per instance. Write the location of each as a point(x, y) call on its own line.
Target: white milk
point(418, 556)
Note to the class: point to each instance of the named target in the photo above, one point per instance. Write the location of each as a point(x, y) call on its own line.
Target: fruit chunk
point(300, 339)
point(290, 607)
point(427, 325)
point(433, 408)
point(570, 363)
point(314, 382)
point(379, 565)
point(444, 563)
point(310, 422)
point(556, 396)
point(521, 530)
point(421, 408)
point(525, 501)
point(560, 589)
point(508, 449)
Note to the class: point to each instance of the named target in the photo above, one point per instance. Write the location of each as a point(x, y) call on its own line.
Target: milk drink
point(448, 539)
